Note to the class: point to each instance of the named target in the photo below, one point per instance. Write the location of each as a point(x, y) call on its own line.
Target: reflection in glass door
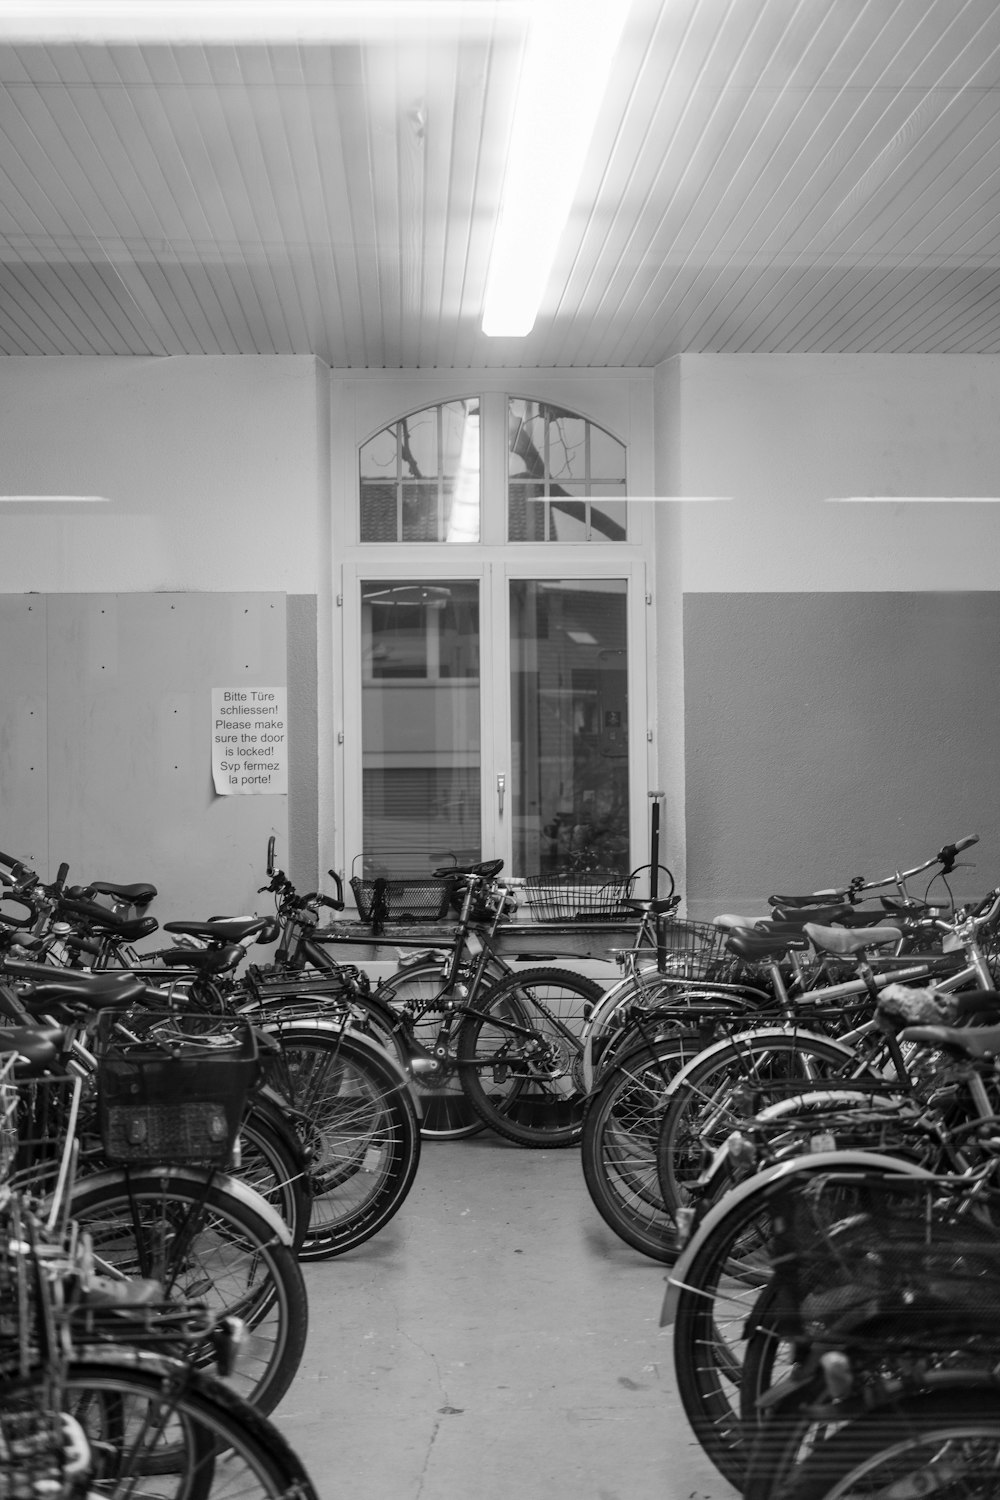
point(421, 737)
point(569, 722)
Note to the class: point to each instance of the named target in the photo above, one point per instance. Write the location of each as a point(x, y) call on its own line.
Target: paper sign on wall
point(249, 741)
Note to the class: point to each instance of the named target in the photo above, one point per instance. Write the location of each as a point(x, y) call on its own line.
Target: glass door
point(421, 724)
point(569, 711)
point(491, 717)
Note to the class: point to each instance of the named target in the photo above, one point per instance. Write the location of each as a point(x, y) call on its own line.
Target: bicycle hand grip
point(948, 853)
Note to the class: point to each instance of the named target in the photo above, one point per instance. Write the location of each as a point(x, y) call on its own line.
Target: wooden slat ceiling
point(766, 175)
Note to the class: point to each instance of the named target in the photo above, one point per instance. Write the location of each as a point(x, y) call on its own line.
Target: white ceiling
point(766, 175)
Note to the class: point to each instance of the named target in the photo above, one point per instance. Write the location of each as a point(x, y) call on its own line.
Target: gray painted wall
point(105, 741)
point(833, 735)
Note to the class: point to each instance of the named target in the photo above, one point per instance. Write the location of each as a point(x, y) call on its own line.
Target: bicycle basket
point(579, 896)
point(383, 900)
point(888, 1261)
point(695, 950)
point(172, 1089)
point(38, 1127)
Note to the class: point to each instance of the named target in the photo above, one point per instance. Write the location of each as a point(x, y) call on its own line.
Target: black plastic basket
point(173, 1092)
point(579, 895)
point(384, 900)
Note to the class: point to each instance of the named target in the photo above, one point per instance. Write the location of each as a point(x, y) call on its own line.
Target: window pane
point(569, 711)
point(558, 450)
point(378, 511)
point(567, 447)
point(420, 513)
point(420, 734)
point(420, 477)
point(527, 512)
point(607, 457)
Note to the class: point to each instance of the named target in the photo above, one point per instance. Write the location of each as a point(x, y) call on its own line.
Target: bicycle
point(709, 1096)
point(467, 1015)
point(727, 1261)
point(886, 1291)
point(694, 959)
point(183, 1225)
point(98, 1394)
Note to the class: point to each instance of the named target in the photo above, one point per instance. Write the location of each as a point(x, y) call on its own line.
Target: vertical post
point(654, 844)
point(654, 876)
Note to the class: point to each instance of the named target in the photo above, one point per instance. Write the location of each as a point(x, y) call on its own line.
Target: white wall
point(818, 739)
point(213, 469)
point(783, 434)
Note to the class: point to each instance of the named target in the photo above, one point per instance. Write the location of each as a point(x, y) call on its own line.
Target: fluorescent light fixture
point(54, 500)
point(568, 57)
point(913, 500)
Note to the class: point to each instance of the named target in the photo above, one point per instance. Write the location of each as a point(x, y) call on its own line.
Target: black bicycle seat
point(487, 869)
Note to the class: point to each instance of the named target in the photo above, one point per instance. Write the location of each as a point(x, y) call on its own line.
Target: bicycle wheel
point(727, 1083)
point(417, 993)
point(157, 1430)
point(364, 1136)
point(618, 1147)
point(940, 1443)
point(206, 1242)
point(273, 1168)
point(519, 1055)
point(716, 1284)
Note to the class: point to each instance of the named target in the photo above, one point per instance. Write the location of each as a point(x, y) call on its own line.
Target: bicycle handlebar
point(945, 857)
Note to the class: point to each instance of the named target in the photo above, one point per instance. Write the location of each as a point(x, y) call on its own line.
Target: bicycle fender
point(192, 1178)
point(833, 1097)
point(676, 1281)
point(357, 1039)
point(754, 1035)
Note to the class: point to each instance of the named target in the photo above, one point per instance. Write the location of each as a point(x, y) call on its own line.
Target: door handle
point(501, 788)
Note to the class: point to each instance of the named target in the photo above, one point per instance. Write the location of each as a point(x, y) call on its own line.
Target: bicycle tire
point(273, 1168)
point(447, 1113)
point(534, 1094)
point(365, 1135)
point(896, 1450)
point(708, 1099)
point(717, 1284)
point(214, 1442)
point(209, 1244)
point(618, 1146)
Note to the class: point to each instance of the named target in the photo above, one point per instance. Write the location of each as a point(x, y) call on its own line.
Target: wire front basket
point(600, 895)
point(39, 1142)
point(383, 900)
point(694, 950)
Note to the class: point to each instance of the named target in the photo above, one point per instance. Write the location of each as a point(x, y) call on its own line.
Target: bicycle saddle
point(107, 990)
point(129, 928)
point(844, 940)
point(135, 895)
point(752, 944)
point(37, 1048)
point(966, 1041)
point(486, 869)
point(227, 929)
point(663, 904)
point(202, 960)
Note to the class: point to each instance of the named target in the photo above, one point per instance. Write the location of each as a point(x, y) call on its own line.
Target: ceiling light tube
point(568, 57)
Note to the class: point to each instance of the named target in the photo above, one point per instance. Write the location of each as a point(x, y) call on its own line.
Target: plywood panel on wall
point(130, 791)
point(23, 716)
point(833, 735)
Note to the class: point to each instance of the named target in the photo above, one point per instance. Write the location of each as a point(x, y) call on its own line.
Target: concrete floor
point(496, 1341)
